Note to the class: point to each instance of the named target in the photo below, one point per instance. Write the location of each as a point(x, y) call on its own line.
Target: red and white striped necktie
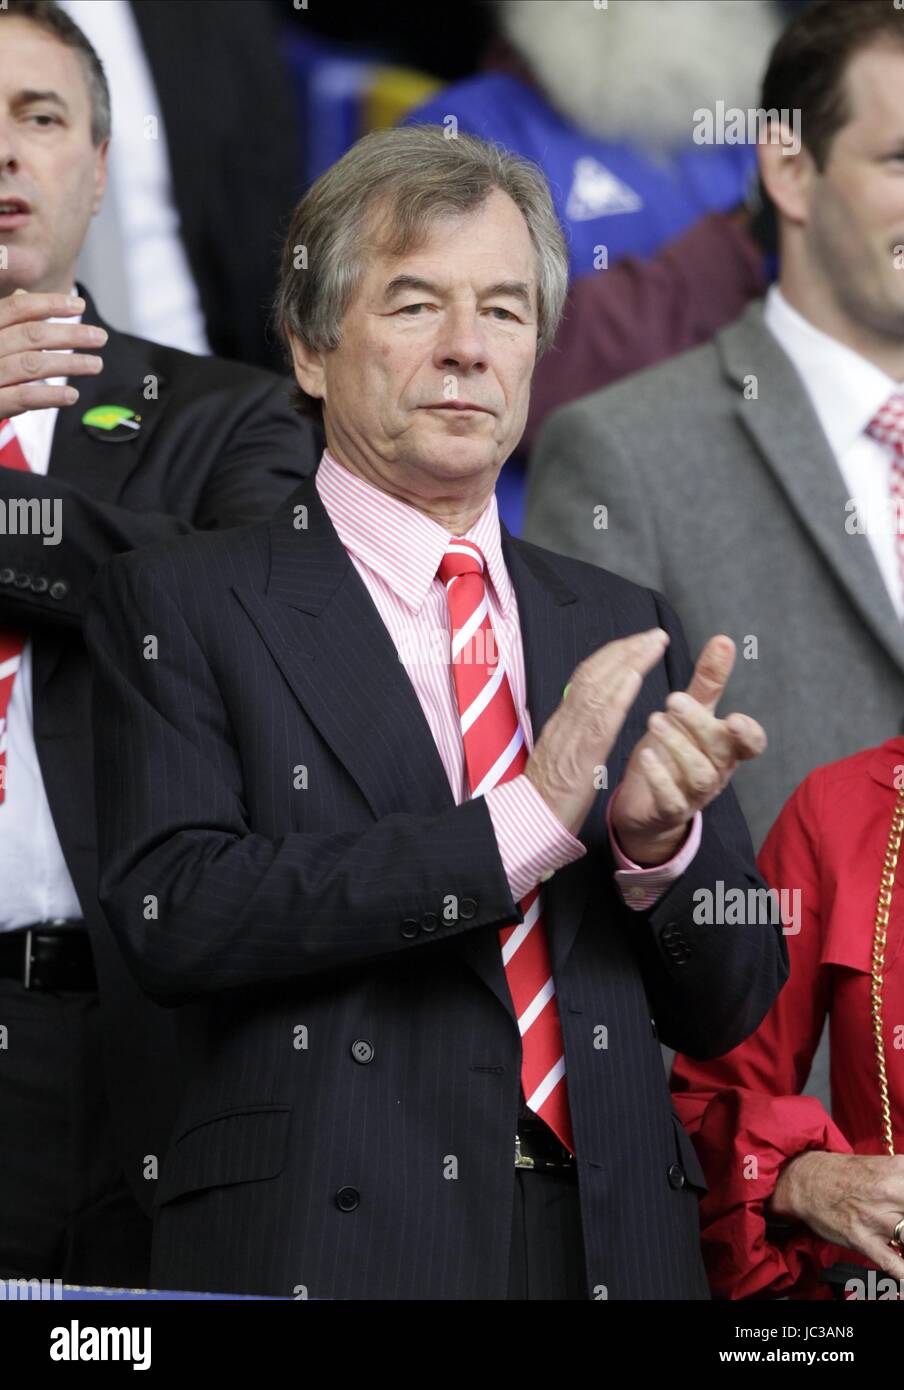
point(12, 642)
point(887, 425)
point(495, 752)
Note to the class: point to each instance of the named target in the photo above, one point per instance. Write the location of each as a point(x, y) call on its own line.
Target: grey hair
point(50, 17)
point(414, 174)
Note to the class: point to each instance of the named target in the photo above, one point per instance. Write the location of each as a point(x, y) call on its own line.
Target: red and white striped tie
point(495, 752)
point(887, 425)
point(12, 642)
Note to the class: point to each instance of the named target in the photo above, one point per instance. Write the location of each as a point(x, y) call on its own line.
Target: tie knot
point(887, 425)
point(461, 557)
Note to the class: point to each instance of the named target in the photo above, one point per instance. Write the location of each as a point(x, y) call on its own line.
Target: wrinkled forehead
point(487, 246)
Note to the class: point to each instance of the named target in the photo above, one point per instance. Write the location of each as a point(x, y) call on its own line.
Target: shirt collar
point(398, 542)
point(846, 390)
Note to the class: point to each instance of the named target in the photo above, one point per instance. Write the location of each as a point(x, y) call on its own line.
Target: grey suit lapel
point(784, 426)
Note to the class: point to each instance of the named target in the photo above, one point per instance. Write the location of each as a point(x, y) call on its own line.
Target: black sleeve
point(268, 453)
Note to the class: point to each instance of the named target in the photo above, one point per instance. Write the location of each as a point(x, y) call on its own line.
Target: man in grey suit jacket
point(744, 479)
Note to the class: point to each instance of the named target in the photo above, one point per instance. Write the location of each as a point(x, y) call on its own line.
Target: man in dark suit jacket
point(231, 158)
point(160, 444)
point(291, 854)
point(235, 155)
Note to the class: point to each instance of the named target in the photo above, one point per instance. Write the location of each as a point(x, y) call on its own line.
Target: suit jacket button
point(7, 575)
point(39, 585)
point(59, 588)
point(429, 921)
point(362, 1051)
point(347, 1198)
point(653, 1026)
point(467, 907)
point(410, 927)
point(676, 1176)
point(22, 581)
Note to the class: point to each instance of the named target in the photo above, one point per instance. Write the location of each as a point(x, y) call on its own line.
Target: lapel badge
point(114, 424)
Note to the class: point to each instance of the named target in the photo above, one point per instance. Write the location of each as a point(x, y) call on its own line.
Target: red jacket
point(744, 1110)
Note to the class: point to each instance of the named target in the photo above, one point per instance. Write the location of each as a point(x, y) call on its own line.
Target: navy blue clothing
point(349, 1046)
point(605, 193)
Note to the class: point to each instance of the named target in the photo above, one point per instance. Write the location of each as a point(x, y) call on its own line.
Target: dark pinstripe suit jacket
point(219, 445)
point(281, 857)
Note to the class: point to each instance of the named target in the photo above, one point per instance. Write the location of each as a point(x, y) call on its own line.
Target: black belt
point(51, 955)
point(538, 1148)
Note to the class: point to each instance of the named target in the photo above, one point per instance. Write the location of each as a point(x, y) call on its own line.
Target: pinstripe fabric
point(396, 550)
point(283, 859)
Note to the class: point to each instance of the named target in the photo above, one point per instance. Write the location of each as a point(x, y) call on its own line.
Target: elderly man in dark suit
point(422, 913)
point(158, 443)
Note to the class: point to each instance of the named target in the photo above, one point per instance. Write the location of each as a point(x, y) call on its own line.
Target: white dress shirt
point(846, 391)
point(164, 304)
point(35, 884)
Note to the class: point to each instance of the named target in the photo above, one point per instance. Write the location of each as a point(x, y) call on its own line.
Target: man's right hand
point(578, 737)
point(851, 1200)
point(32, 349)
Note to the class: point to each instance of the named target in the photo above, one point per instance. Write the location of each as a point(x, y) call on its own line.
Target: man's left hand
point(684, 761)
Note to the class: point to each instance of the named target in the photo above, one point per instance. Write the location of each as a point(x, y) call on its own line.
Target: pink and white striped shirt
point(397, 549)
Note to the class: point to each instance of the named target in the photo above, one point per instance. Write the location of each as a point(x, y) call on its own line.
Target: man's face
point(855, 227)
point(49, 167)
point(451, 323)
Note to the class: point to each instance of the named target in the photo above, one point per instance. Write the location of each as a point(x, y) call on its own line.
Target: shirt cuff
point(532, 841)
point(641, 888)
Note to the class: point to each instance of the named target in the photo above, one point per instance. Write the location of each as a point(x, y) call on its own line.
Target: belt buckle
point(522, 1160)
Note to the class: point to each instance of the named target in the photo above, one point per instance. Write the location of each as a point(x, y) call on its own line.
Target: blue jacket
point(605, 193)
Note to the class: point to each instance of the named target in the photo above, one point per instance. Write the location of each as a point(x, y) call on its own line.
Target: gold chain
point(880, 937)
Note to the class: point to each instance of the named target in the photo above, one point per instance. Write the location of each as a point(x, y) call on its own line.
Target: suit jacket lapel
point(321, 626)
point(97, 464)
point(93, 464)
point(787, 432)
